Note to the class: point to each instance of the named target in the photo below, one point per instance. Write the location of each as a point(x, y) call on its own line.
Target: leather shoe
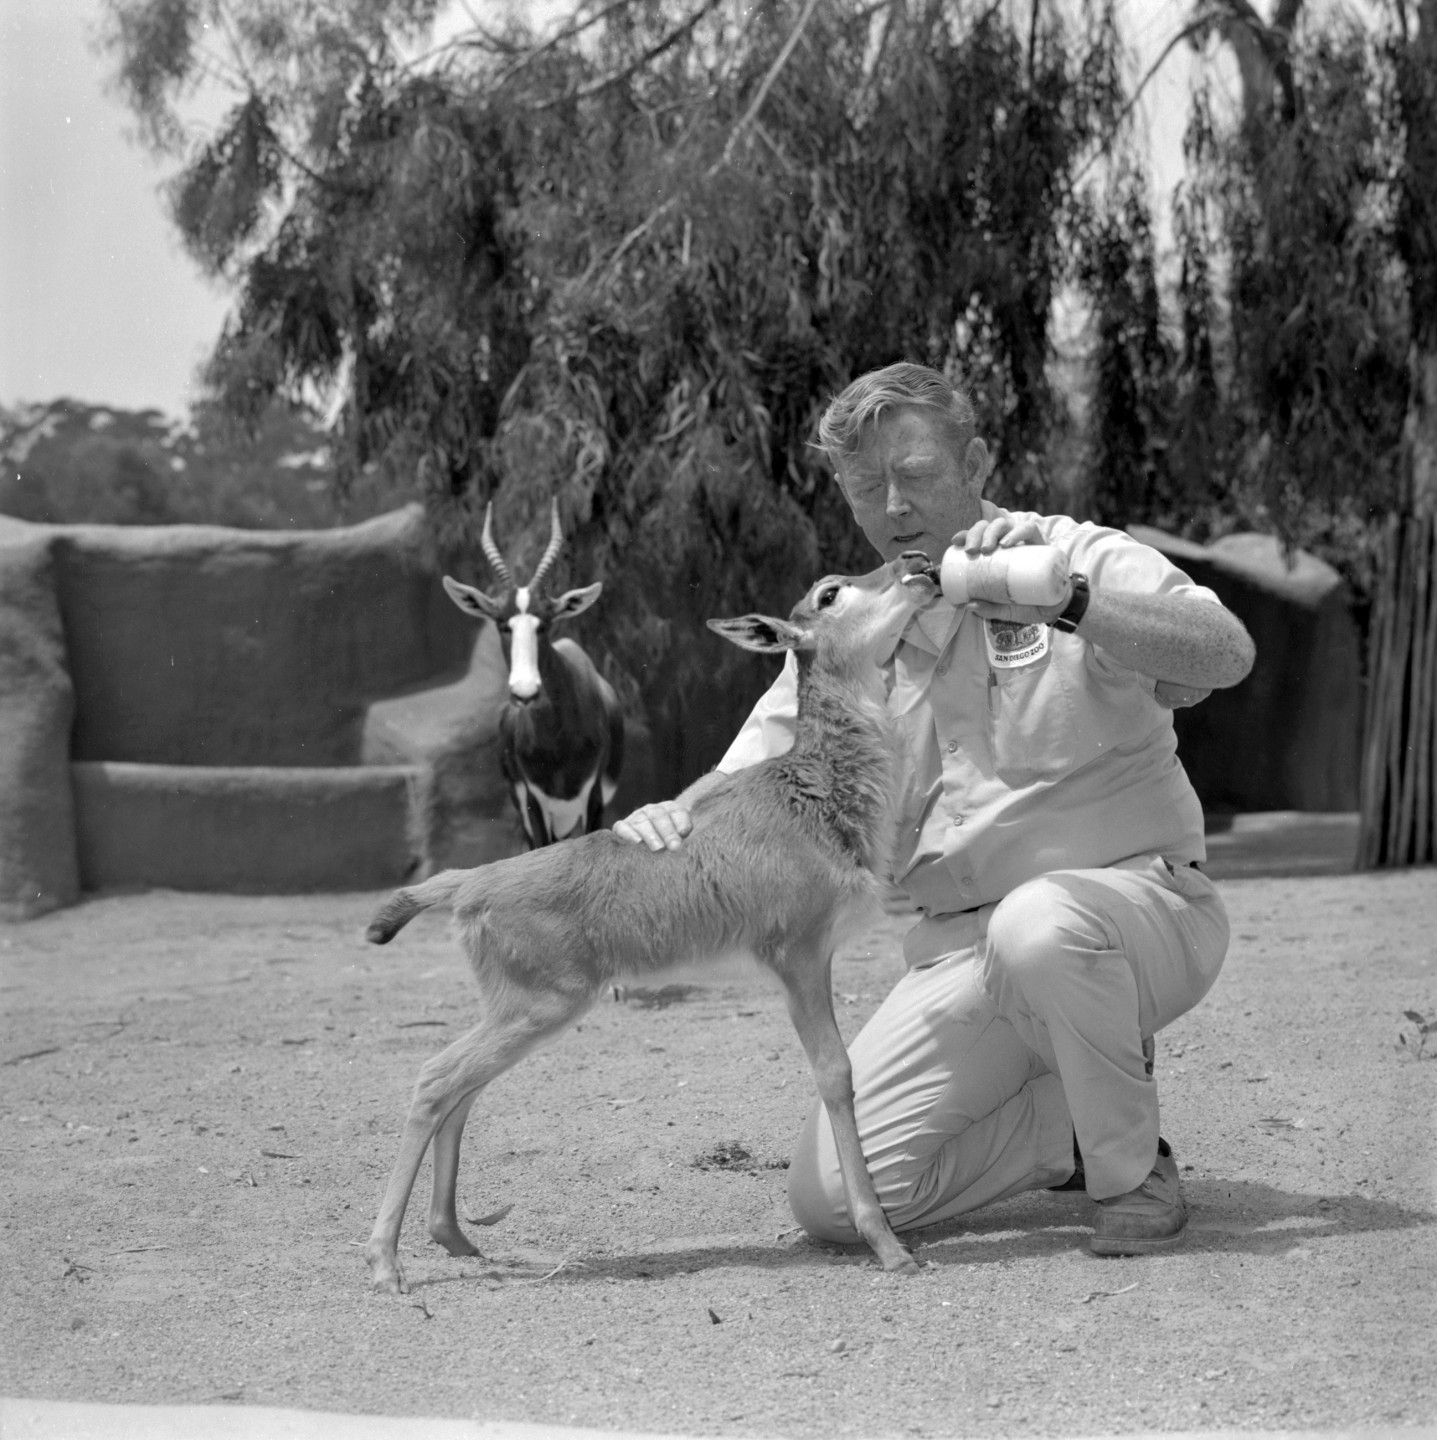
point(1146, 1220)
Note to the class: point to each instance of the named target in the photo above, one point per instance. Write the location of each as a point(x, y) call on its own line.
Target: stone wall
point(239, 710)
point(38, 869)
point(186, 706)
point(197, 645)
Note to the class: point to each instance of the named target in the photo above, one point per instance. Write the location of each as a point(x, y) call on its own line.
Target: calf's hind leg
point(444, 1226)
point(448, 1084)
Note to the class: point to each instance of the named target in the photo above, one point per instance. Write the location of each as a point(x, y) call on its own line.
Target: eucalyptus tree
point(625, 261)
point(1319, 204)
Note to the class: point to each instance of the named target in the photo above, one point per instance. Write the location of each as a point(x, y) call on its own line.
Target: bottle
point(1019, 575)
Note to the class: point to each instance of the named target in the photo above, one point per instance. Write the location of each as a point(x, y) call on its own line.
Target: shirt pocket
point(1031, 723)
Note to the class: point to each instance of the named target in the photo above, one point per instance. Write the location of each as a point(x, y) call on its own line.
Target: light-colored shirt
point(1026, 749)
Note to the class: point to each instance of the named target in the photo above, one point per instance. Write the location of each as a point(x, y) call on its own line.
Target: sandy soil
point(200, 1098)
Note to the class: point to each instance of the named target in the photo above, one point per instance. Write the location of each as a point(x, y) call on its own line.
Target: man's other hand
point(1178, 697)
point(1002, 532)
point(660, 826)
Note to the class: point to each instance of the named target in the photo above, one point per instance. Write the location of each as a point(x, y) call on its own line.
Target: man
point(1048, 838)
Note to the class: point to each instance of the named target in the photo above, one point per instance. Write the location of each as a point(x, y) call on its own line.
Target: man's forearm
point(1178, 638)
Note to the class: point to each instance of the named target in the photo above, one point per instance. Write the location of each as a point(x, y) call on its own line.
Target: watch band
point(1077, 605)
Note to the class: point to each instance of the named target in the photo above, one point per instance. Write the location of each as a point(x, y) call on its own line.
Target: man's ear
point(759, 632)
point(977, 463)
point(575, 602)
point(473, 602)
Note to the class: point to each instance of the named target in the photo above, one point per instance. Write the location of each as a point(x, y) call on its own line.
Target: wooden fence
point(1399, 762)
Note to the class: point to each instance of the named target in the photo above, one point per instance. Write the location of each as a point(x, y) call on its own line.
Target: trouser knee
point(815, 1184)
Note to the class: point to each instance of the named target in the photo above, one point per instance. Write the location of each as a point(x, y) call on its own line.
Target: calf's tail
point(404, 905)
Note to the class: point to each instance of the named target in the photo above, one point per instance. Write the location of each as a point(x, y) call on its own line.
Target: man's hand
point(1004, 532)
point(660, 826)
point(998, 533)
point(1178, 697)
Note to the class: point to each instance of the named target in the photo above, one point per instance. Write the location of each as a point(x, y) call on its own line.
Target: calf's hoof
point(453, 1239)
point(386, 1274)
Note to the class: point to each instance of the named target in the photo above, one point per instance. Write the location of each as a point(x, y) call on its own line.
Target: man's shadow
point(1233, 1216)
point(1225, 1216)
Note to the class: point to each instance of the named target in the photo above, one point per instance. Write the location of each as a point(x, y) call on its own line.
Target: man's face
point(911, 487)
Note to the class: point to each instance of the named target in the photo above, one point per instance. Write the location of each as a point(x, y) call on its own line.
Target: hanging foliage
point(1299, 204)
point(628, 264)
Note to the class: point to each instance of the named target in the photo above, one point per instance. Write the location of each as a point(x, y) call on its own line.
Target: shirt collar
point(932, 627)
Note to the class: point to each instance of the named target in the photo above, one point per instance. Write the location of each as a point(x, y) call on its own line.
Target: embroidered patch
point(1011, 645)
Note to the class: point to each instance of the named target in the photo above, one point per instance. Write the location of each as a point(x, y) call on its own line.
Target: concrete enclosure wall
point(37, 832)
point(196, 645)
point(211, 708)
point(186, 706)
point(260, 829)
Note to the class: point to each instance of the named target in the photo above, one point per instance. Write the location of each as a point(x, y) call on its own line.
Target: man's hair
point(851, 415)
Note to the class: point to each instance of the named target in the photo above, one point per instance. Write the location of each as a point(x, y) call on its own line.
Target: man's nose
point(897, 504)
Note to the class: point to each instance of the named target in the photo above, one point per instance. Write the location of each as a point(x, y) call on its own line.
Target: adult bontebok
point(561, 736)
point(779, 860)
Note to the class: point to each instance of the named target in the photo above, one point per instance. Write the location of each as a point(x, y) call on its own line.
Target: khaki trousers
point(1016, 1026)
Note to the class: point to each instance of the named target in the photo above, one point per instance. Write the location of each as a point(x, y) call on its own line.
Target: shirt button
point(942, 670)
point(952, 746)
point(957, 819)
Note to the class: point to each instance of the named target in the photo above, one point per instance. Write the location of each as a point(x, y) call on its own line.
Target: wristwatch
point(1077, 605)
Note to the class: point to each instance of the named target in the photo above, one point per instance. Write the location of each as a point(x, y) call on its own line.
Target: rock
point(1289, 736)
point(243, 829)
point(463, 814)
point(199, 645)
point(38, 870)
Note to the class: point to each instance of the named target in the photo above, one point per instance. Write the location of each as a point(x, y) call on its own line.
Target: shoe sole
point(1116, 1245)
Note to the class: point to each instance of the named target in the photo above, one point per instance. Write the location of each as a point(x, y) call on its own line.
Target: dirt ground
point(200, 1097)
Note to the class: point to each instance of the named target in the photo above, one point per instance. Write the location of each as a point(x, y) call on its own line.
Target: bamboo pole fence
point(1398, 821)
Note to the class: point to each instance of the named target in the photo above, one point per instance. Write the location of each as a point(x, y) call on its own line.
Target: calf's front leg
point(810, 1006)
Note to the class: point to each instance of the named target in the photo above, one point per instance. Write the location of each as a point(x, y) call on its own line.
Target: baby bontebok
point(780, 858)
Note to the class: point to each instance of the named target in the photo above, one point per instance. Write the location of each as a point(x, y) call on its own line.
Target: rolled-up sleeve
point(771, 725)
point(1113, 559)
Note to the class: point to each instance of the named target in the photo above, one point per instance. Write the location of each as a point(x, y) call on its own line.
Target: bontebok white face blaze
point(523, 649)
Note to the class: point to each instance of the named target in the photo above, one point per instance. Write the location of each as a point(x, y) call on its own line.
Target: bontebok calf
point(780, 857)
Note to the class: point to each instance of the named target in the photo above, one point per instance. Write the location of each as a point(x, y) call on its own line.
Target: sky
point(99, 302)
point(97, 299)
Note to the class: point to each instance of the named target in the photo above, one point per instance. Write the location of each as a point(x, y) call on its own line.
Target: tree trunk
point(1420, 432)
point(1399, 768)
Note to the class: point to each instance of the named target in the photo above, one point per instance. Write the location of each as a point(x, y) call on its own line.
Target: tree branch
point(746, 119)
point(743, 123)
point(1190, 29)
point(577, 27)
point(595, 87)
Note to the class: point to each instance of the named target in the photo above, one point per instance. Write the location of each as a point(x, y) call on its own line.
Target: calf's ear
point(761, 633)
